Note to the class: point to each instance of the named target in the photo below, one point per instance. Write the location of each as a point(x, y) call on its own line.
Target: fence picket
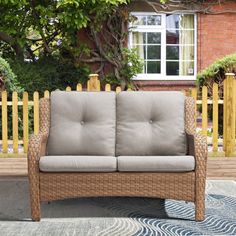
point(4, 123)
point(36, 112)
point(194, 95)
point(68, 88)
point(118, 89)
point(15, 121)
point(204, 110)
point(46, 94)
point(108, 87)
point(215, 118)
point(79, 87)
point(94, 85)
point(25, 121)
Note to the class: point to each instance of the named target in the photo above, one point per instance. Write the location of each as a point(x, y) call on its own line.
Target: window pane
point(153, 67)
point(141, 49)
point(172, 52)
point(187, 22)
point(172, 21)
point(172, 68)
point(140, 20)
point(186, 52)
point(154, 38)
point(153, 52)
point(177, 21)
point(153, 20)
point(186, 68)
point(186, 37)
point(172, 36)
point(139, 38)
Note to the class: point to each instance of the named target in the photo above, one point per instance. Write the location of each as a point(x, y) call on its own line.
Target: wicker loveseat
point(140, 144)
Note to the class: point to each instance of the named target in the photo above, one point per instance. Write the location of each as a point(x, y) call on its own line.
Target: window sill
point(146, 77)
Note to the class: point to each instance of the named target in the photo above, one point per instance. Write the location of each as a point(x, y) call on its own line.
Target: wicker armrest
point(197, 147)
point(37, 148)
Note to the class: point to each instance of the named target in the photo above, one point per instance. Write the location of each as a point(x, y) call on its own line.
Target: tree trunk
point(12, 42)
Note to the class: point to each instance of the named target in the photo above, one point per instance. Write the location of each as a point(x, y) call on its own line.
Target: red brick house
point(187, 43)
point(176, 46)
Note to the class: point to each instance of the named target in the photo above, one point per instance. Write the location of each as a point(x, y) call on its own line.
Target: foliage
point(8, 78)
point(117, 63)
point(9, 83)
point(39, 27)
point(48, 73)
point(131, 66)
point(216, 72)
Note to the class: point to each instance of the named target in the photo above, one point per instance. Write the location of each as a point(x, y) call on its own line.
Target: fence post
point(215, 118)
point(93, 83)
point(204, 111)
point(229, 117)
point(4, 123)
point(15, 121)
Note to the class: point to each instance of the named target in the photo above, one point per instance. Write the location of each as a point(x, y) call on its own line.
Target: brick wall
point(216, 35)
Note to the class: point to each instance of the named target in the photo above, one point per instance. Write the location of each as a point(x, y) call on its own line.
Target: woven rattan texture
point(37, 148)
point(180, 186)
point(200, 173)
point(162, 185)
point(190, 124)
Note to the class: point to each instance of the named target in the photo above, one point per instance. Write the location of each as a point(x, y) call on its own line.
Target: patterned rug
point(117, 216)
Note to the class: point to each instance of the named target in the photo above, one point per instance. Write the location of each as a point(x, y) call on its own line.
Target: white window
point(167, 44)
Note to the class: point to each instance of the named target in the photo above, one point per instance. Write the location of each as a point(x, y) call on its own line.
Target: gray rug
point(117, 216)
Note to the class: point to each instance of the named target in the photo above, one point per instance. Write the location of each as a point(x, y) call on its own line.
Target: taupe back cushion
point(82, 123)
point(150, 123)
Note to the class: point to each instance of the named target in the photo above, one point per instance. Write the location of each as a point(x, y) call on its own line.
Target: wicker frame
point(188, 186)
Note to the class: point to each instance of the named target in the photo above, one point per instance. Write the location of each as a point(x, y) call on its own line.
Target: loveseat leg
point(35, 206)
point(35, 211)
point(200, 210)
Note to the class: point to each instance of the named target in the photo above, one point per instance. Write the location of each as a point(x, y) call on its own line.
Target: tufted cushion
point(150, 123)
point(82, 123)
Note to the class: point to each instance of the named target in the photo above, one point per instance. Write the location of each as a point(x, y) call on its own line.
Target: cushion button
point(150, 121)
point(82, 122)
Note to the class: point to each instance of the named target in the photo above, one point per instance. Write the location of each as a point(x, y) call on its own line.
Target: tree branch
point(36, 18)
point(13, 43)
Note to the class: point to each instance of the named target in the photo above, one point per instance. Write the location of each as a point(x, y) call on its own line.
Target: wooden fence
point(220, 147)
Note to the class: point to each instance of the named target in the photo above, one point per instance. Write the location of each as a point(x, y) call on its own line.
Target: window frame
point(161, 28)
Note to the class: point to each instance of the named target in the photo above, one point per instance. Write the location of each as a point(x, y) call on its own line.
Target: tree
point(43, 26)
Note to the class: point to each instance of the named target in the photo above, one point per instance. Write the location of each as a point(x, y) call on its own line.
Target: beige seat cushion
point(82, 123)
point(150, 123)
point(78, 164)
point(156, 163)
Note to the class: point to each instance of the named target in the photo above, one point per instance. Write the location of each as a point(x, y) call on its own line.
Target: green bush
point(48, 73)
point(10, 84)
point(215, 73)
point(44, 74)
point(9, 78)
point(131, 65)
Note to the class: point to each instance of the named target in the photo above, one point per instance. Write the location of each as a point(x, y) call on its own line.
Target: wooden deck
point(218, 167)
